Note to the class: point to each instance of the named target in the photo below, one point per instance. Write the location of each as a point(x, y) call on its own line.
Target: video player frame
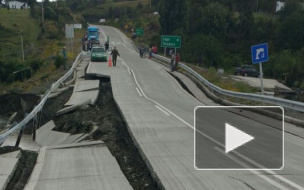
point(239, 160)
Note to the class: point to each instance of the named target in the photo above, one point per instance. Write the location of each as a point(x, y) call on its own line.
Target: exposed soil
point(11, 103)
point(111, 129)
point(24, 168)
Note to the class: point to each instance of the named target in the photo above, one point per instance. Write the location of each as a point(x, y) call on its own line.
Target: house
point(2, 3)
point(17, 5)
point(280, 6)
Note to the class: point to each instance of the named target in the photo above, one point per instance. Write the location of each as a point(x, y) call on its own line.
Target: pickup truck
point(247, 70)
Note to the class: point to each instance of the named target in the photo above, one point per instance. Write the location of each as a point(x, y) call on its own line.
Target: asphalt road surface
point(160, 117)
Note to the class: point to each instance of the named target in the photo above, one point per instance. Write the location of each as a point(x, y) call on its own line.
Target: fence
point(294, 105)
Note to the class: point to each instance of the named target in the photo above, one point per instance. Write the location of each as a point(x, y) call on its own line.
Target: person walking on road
point(114, 54)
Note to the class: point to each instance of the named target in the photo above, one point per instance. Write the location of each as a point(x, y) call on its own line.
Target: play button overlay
point(239, 138)
point(235, 138)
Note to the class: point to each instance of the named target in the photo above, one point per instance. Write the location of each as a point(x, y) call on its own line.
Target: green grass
point(15, 21)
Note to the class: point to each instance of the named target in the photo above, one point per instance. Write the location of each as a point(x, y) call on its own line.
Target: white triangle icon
point(235, 138)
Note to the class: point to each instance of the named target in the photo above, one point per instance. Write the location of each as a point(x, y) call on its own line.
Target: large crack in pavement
point(111, 129)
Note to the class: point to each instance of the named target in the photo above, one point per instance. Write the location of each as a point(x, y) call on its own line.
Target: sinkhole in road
point(111, 129)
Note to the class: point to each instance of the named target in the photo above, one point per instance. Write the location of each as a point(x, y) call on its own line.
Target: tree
point(172, 15)
point(290, 33)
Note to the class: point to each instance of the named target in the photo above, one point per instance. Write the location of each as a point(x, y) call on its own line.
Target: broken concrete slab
point(72, 108)
point(80, 97)
point(77, 168)
point(8, 165)
point(7, 169)
point(81, 144)
point(4, 179)
point(15, 154)
point(26, 142)
point(46, 137)
point(72, 138)
point(86, 85)
point(80, 74)
point(81, 138)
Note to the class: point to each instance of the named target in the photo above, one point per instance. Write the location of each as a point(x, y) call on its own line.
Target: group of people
point(86, 45)
point(175, 57)
point(152, 50)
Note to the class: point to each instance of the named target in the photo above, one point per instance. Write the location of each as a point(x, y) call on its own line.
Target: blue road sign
point(259, 53)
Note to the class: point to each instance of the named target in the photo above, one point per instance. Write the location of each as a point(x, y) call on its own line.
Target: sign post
point(259, 54)
point(139, 31)
point(170, 42)
point(69, 34)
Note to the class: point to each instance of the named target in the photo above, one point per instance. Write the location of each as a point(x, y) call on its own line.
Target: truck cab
point(93, 34)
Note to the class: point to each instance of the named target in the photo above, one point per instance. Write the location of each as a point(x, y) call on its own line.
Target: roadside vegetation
point(217, 33)
point(220, 34)
point(43, 43)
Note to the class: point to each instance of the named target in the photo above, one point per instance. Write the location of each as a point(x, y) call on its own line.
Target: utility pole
point(22, 45)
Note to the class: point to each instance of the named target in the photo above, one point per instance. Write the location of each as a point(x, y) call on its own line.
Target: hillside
point(12, 22)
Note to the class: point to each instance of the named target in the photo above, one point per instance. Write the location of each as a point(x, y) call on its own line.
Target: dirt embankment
point(111, 129)
point(16, 103)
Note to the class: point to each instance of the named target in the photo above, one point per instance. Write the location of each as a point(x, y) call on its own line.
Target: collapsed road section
point(102, 121)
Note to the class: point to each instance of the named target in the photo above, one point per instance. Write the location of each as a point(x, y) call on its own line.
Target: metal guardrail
point(39, 107)
point(294, 105)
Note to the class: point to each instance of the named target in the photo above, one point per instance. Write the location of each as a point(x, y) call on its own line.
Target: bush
point(35, 64)
point(7, 67)
point(59, 61)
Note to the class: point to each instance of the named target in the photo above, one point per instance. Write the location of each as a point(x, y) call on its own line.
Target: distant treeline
point(220, 33)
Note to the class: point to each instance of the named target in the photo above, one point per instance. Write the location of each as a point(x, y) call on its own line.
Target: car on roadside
point(98, 53)
point(247, 70)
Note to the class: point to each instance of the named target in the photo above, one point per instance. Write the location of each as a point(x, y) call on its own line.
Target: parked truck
point(93, 35)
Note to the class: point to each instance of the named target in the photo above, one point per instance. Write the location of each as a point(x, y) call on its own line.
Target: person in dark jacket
point(114, 54)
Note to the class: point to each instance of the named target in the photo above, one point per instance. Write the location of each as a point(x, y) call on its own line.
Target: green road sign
point(171, 41)
point(139, 31)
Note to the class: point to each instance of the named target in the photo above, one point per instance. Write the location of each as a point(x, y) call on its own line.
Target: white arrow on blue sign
point(259, 53)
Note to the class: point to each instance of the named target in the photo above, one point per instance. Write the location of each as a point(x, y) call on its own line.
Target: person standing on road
point(150, 52)
point(177, 59)
point(107, 45)
point(114, 54)
point(171, 53)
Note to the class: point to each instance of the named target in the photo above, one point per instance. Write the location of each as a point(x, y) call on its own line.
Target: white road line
point(162, 110)
point(261, 175)
point(138, 92)
point(104, 35)
point(120, 35)
point(216, 142)
point(134, 76)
